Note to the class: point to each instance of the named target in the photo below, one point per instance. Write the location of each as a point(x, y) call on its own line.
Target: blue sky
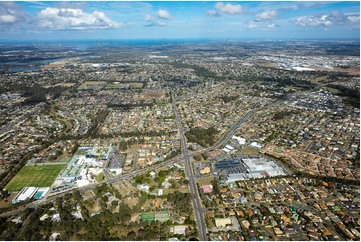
point(173, 20)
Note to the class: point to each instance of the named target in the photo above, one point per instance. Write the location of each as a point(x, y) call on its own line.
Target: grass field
point(169, 190)
point(250, 151)
point(37, 176)
point(205, 181)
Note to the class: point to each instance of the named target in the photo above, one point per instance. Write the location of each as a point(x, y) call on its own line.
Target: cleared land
point(36, 176)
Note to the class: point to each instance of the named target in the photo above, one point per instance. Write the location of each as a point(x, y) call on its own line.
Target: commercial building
point(179, 229)
point(223, 222)
point(25, 194)
point(256, 168)
point(30, 193)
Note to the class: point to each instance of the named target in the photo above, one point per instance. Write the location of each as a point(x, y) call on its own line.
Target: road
point(186, 156)
point(27, 113)
point(52, 197)
point(227, 135)
point(196, 201)
point(234, 128)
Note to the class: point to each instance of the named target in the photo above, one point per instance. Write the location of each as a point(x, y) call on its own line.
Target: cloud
point(157, 24)
point(7, 19)
point(74, 19)
point(313, 21)
point(251, 26)
point(267, 15)
point(11, 14)
point(163, 14)
point(288, 8)
point(228, 8)
point(271, 26)
point(334, 18)
point(213, 13)
point(353, 19)
point(148, 18)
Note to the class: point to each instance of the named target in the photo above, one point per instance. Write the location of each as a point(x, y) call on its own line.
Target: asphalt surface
point(202, 230)
point(196, 201)
point(52, 197)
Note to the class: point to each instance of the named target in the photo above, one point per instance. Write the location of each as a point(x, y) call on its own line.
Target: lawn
point(169, 190)
point(37, 176)
point(250, 151)
point(205, 181)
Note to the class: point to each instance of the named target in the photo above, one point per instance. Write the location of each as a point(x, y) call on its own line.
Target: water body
point(25, 68)
point(32, 65)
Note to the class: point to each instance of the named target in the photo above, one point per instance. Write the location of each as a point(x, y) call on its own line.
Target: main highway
point(196, 201)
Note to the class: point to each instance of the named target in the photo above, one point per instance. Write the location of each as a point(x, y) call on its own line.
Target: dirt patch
point(7, 203)
point(133, 148)
point(271, 65)
point(131, 202)
point(124, 189)
point(67, 84)
point(319, 79)
point(352, 71)
point(153, 94)
point(135, 217)
point(96, 208)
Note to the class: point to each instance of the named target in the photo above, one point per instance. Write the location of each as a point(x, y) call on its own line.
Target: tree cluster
point(204, 137)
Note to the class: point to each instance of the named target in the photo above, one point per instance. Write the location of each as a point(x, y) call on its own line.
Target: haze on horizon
point(197, 20)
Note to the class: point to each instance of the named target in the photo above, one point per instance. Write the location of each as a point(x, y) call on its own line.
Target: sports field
point(36, 176)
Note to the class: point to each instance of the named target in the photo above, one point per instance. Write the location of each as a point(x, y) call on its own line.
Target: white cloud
point(229, 8)
point(271, 26)
point(74, 19)
point(213, 13)
point(267, 15)
point(353, 19)
point(312, 21)
point(148, 18)
point(161, 24)
point(163, 14)
point(11, 13)
point(251, 26)
point(334, 18)
point(6, 19)
point(157, 24)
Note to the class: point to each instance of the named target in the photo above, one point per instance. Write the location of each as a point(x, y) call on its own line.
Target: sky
point(39, 20)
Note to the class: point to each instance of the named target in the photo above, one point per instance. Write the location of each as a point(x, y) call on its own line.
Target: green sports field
point(35, 176)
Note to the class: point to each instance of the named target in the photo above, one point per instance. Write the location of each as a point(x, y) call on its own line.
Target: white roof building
point(116, 171)
point(241, 141)
point(179, 229)
point(223, 222)
point(226, 150)
point(24, 194)
point(256, 145)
